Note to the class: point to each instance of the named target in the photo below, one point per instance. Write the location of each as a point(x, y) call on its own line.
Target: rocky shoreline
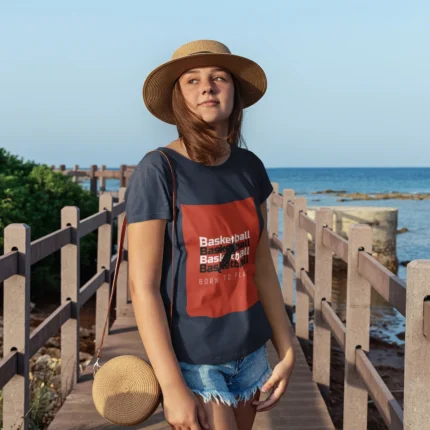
point(346, 197)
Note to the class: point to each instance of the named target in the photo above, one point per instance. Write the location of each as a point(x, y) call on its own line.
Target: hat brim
point(158, 86)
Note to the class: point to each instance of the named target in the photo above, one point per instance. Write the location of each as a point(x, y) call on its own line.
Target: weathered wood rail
point(364, 272)
point(95, 174)
point(18, 344)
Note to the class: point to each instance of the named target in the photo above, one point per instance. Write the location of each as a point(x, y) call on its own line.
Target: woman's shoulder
point(153, 159)
point(248, 156)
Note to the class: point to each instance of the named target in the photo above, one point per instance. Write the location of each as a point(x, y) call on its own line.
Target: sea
point(387, 323)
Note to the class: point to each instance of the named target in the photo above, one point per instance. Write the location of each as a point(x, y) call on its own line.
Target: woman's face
point(208, 92)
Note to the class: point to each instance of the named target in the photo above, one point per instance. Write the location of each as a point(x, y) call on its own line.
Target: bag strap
point(118, 261)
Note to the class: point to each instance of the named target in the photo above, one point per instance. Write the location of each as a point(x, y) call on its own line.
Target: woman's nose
point(207, 88)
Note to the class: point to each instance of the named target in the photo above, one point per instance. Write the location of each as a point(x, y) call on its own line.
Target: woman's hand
point(278, 382)
point(183, 410)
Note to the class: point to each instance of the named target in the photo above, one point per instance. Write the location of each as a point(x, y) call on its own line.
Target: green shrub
point(34, 194)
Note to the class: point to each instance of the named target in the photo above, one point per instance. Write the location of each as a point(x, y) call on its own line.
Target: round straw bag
point(125, 390)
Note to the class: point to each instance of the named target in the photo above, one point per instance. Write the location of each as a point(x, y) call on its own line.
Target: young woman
point(206, 339)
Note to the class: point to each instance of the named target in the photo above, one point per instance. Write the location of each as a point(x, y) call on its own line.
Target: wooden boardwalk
point(302, 406)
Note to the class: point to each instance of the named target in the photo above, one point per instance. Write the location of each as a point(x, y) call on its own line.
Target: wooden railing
point(20, 253)
point(364, 272)
point(94, 174)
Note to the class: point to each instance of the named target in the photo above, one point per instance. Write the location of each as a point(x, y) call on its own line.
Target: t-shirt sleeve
point(264, 185)
point(149, 191)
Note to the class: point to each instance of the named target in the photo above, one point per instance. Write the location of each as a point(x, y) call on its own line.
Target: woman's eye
point(220, 77)
point(191, 81)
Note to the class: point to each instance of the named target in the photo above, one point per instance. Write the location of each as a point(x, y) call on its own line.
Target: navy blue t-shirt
point(217, 316)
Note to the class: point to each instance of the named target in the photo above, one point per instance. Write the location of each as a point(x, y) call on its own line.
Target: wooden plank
point(87, 290)
point(290, 209)
point(118, 208)
point(308, 284)
point(104, 255)
point(323, 289)
point(288, 265)
point(92, 223)
point(336, 243)
point(8, 368)
point(386, 283)
point(417, 348)
point(307, 223)
point(108, 174)
point(16, 333)
point(336, 326)
point(290, 259)
point(276, 243)
point(49, 327)
point(8, 265)
point(387, 405)
point(357, 329)
point(47, 245)
point(302, 263)
point(278, 200)
point(70, 283)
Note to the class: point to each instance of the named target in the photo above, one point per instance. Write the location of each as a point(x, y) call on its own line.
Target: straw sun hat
point(158, 86)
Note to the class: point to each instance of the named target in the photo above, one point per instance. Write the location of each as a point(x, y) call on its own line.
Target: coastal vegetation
point(33, 194)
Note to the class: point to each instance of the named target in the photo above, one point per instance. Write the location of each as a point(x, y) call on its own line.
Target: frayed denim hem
point(244, 396)
point(233, 399)
point(224, 397)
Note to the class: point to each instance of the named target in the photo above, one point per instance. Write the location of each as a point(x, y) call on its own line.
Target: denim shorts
point(231, 382)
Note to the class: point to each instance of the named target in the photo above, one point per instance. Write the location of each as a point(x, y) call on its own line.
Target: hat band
point(202, 52)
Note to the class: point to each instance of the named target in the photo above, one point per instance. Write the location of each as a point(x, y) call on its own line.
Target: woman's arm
point(270, 295)
point(145, 251)
point(145, 256)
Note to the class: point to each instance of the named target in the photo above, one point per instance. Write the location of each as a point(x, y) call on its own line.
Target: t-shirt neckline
point(196, 163)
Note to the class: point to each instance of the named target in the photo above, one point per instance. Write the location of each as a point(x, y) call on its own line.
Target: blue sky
point(348, 81)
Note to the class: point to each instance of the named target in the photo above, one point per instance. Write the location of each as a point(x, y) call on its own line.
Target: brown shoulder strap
point(121, 249)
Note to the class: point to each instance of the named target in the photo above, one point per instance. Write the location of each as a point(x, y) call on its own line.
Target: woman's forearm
point(154, 331)
point(270, 295)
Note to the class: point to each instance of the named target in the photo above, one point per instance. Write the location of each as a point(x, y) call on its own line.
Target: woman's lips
point(209, 103)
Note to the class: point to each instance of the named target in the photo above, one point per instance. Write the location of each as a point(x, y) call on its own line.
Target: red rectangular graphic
point(221, 243)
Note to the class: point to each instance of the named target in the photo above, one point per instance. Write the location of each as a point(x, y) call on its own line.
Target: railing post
point(102, 178)
point(417, 348)
point(70, 284)
point(274, 224)
point(93, 179)
point(288, 243)
point(122, 282)
point(16, 335)
point(357, 328)
point(104, 254)
point(75, 177)
point(302, 263)
point(122, 179)
point(323, 287)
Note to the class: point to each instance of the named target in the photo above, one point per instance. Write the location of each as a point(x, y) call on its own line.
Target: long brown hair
point(199, 137)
